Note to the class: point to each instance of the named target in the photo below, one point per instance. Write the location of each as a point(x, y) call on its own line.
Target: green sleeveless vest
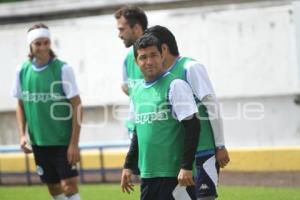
point(47, 111)
point(134, 74)
point(160, 136)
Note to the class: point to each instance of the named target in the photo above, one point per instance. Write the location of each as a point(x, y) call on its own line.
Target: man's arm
point(72, 93)
point(20, 115)
point(192, 129)
point(198, 79)
point(213, 111)
point(21, 123)
point(132, 154)
point(131, 157)
point(124, 85)
point(73, 149)
point(184, 109)
point(130, 161)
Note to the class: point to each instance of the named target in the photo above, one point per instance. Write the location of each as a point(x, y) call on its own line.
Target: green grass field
point(113, 192)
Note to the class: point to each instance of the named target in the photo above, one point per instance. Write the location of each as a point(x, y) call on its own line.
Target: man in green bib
point(49, 104)
point(131, 23)
point(166, 129)
point(211, 151)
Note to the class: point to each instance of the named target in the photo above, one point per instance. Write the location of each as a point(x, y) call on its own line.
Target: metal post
point(28, 173)
point(81, 170)
point(102, 168)
point(0, 173)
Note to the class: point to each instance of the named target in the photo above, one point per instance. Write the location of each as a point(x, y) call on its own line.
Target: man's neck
point(138, 35)
point(149, 79)
point(169, 61)
point(42, 61)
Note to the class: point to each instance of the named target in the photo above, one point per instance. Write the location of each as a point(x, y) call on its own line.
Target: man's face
point(150, 61)
point(126, 33)
point(40, 48)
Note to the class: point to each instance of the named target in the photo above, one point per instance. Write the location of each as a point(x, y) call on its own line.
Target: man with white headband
point(50, 105)
point(37, 33)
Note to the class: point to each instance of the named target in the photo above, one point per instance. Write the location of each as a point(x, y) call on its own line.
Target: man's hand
point(185, 177)
point(126, 182)
point(222, 157)
point(73, 154)
point(24, 145)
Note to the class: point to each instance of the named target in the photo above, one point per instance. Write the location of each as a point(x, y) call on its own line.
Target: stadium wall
point(242, 160)
point(250, 52)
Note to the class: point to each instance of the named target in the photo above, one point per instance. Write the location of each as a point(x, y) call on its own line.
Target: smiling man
point(49, 106)
point(166, 129)
point(211, 152)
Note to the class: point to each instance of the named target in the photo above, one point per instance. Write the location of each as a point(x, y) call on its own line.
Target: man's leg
point(47, 172)
point(67, 174)
point(70, 188)
point(56, 191)
point(170, 190)
point(60, 197)
point(149, 188)
point(206, 177)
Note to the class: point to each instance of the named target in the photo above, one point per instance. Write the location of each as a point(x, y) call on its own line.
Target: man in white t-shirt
point(211, 152)
point(49, 106)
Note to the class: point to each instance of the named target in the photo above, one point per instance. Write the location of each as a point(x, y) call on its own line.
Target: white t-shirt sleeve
point(16, 87)
point(197, 78)
point(182, 100)
point(69, 82)
point(131, 113)
point(213, 110)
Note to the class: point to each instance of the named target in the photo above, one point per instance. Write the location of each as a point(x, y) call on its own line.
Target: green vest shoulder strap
point(178, 69)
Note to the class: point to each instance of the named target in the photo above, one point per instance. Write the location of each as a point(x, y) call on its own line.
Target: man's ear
point(164, 48)
point(136, 61)
point(137, 29)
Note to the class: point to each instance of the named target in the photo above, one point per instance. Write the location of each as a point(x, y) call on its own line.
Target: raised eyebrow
point(142, 56)
point(154, 53)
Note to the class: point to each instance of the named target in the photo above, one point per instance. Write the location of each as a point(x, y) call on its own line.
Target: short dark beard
point(128, 43)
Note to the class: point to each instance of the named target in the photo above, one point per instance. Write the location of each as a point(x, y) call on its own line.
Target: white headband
point(37, 33)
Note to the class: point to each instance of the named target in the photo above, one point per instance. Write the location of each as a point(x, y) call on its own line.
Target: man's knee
point(70, 186)
point(55, 189)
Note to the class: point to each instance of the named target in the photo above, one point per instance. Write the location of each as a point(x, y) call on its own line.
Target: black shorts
point(164, 188)
point(52, 164)
point(207, 174)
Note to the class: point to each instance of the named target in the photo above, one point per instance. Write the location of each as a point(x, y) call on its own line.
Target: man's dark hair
point(166, 37)
point(147, 40)
point(133, 15)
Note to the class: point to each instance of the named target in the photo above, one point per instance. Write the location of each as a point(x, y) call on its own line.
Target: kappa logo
point(73, 167)
point(41, 97)
point(204, 187)
point(151, 117)
point(39, 170)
